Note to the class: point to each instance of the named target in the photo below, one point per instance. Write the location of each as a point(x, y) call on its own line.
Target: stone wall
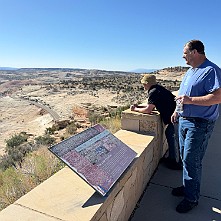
point(150, 124)
point(66, 197)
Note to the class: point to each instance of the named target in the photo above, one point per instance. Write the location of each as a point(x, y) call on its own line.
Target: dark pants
point(172, 137)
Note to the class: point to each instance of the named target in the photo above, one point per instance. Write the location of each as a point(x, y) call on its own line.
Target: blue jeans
point(171, 133)
point(194, 134)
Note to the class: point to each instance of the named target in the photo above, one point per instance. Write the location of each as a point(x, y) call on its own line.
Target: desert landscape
point(31, 100)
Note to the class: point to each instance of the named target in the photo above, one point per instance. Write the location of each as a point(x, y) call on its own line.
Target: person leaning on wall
point(200, 94)
point(163, 100)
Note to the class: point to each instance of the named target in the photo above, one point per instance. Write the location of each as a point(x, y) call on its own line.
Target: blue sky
point(106, 34)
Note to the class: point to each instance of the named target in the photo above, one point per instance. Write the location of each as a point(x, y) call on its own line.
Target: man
point(200, 93)
point(164, 101)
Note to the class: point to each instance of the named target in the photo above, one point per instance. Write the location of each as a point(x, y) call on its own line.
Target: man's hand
point(184, 99)
point(132, 107)
point(174, 117)
point(206, 100)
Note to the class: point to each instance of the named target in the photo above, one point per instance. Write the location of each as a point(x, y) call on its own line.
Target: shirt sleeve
point(212, 81)
point(152, 96)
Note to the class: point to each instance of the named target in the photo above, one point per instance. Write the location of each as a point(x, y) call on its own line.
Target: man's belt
point(197, 119)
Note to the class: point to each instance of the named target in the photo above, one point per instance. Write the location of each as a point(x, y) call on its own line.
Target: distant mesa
point(139, 70)
point(143, 70)
point(7, 69)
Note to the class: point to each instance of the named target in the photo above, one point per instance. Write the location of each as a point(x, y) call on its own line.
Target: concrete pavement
point(157, 203)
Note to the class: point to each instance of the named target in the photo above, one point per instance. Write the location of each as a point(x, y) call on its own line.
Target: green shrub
point(51, 130)
point(71, 128)
point(16, 140)
point(45, 140)
point(112, 124)
point(41, 164)
point(6, 161)
point(11, 187)
point(36, 167)
point(16, 149)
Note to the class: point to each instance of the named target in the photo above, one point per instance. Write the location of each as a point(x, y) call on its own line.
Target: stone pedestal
point(150, 124)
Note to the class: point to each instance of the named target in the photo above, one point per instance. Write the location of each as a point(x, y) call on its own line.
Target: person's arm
point(146, 110)
point(207, 100)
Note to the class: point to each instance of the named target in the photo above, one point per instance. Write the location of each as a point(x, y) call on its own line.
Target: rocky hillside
point(31, 98)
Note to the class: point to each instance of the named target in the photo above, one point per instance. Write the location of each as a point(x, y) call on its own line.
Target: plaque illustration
point(96, 155)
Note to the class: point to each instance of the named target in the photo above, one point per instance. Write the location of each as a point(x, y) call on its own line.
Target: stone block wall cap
point(128, 111)
point(136, 115)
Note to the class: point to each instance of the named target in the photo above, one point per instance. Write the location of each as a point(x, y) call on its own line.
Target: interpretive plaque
point(95, 155)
